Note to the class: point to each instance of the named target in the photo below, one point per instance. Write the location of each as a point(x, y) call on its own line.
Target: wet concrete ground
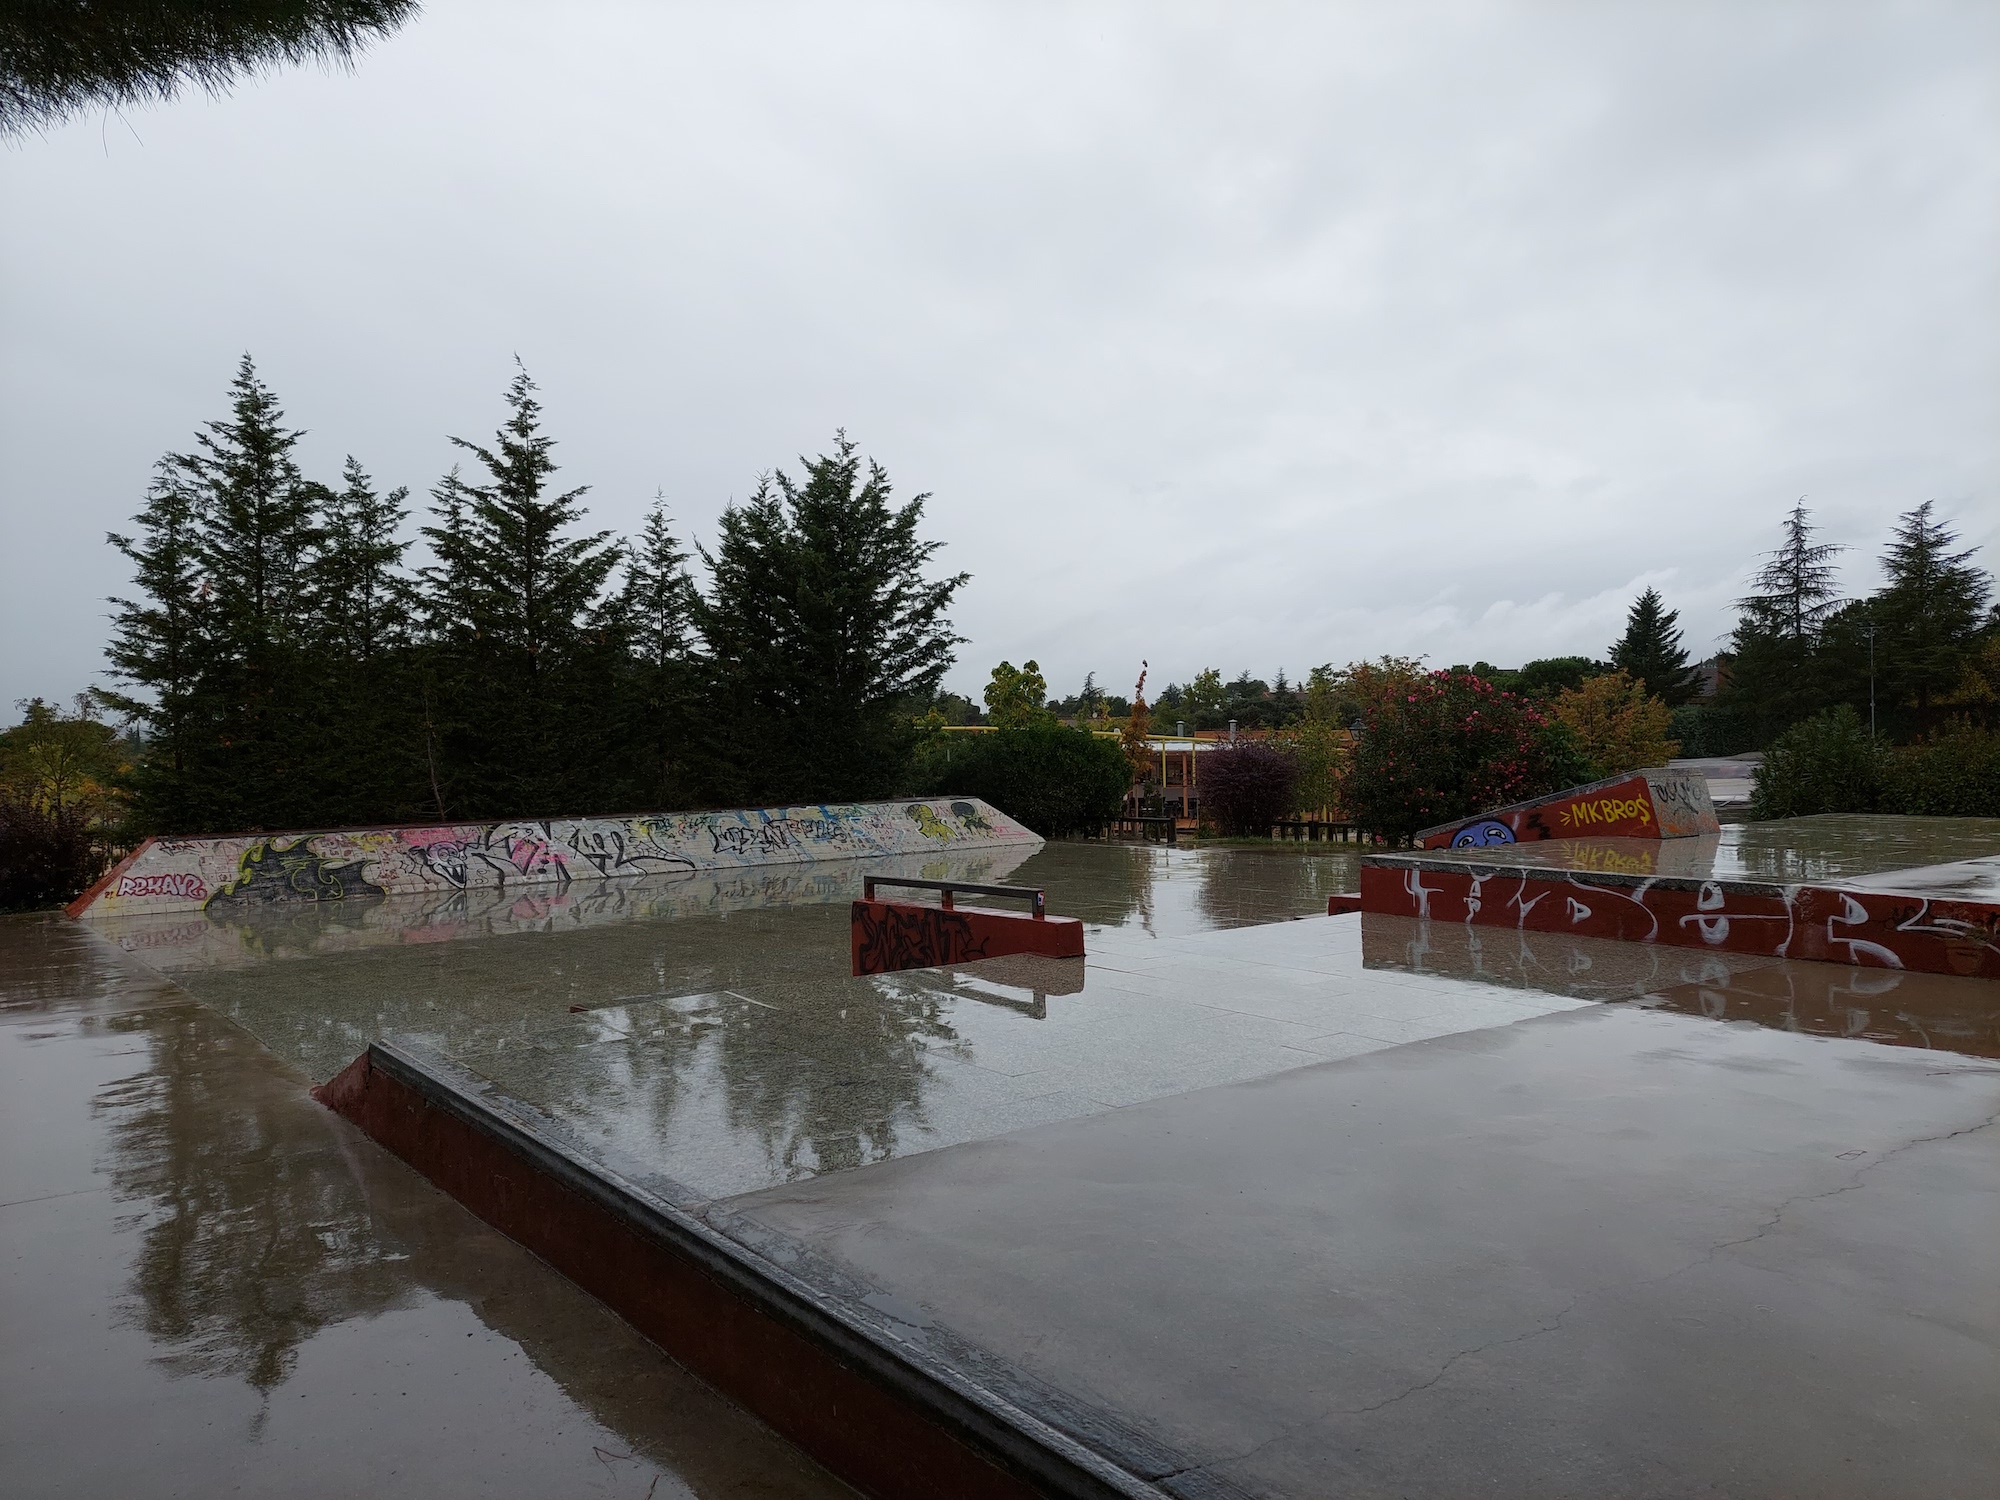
point(1331, 1205)
point(732, 1044)
point(1610, 1251)
point(210, 1285)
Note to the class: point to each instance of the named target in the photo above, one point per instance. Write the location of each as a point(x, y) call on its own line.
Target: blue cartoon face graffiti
point(1483, 834)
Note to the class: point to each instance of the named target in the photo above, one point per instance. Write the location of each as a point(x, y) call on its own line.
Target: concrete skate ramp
point(250, 870)
point(1658, 802)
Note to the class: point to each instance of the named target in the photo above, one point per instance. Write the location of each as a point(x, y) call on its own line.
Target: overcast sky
point(1246, 336)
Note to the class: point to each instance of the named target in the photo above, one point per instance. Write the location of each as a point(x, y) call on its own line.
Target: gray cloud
point(1233, 336)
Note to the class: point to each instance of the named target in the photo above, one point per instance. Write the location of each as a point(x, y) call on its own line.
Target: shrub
point(1056, 780)
point(1825, 764)
point(1708, 729)
point(1957, 774)
point(46, 858)
point(1320, 748)
point(1448, 745)
point(1615, 725)
point(1246, 787)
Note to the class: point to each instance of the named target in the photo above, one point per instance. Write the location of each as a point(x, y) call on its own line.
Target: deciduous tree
point(1017, 697)
point(1616, 725)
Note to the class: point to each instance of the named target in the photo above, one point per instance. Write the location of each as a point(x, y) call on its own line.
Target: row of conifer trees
point(291, 669)
point(1920, 652)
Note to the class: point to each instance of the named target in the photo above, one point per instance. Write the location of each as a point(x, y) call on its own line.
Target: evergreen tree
point(823, 631)
point(366, 604)
point(1795, 587)
point(1089, 700)
point(1774, 677)
point(1286, 705)
point(1928, 614)
point(508, 603)
point(261, 525)
point(60, 60)
point(367, 762)
point(158, 647)
point(261, 522)
point(653, 617)
point(1650, 651)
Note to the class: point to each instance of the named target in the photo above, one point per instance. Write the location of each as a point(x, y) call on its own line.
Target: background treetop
point(1650, 651)
point(1017, 697)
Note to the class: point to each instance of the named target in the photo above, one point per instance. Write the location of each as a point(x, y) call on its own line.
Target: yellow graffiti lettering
point(1599, 860)
point(1607, 810)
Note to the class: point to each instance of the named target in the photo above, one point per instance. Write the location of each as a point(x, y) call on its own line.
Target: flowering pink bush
point(1448, 745)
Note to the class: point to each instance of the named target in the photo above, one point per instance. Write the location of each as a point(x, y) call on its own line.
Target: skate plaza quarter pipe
point(244, 870)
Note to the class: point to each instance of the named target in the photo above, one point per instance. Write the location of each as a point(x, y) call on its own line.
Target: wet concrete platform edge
point(759, 1316)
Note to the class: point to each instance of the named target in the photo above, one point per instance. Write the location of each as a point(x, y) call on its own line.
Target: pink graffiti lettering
point(173, 883)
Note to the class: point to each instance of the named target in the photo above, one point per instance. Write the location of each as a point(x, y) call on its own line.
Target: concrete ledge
point(1843, 924)
point(884, 1413)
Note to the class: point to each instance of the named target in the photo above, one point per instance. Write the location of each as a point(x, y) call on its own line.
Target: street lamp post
point(1870, 633)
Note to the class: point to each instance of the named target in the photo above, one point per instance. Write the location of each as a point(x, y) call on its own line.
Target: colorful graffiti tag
point(1656, 803)
point(183, 874)
point(1834, 924)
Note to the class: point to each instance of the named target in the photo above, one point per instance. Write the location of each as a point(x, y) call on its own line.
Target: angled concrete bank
point(249, 870)
point(1659, 802)
point(814, 1355)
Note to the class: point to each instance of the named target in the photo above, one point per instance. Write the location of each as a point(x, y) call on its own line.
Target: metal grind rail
point(949, 888)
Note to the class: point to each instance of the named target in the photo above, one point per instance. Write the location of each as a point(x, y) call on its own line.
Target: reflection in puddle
point(248, 1244)
point(1898, 1008)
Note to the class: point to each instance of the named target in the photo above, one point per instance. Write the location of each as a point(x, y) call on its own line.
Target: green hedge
point(1056, 780)
point(1829, 764)
point(1705, 729)
point(1955, 775)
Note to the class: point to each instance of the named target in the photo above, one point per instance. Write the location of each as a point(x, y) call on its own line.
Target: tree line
point(287, 664)
point(1919, 653)
point(1650, 652)
point(291, 668)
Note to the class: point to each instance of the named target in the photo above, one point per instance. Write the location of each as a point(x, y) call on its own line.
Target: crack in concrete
point(1778, 1214)
point(1445, 1369)
point(1551, 1326)
point(1555, 1324)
